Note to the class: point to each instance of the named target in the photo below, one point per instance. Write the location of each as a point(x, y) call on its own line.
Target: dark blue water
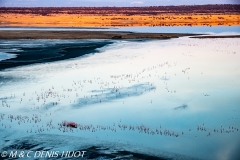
point(43, 51)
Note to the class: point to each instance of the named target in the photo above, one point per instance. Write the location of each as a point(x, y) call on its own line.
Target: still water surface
point(168, 98)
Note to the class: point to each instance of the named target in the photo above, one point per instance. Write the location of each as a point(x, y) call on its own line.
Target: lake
point(162, 99)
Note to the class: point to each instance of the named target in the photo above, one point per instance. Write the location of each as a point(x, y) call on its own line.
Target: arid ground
point(202, 15)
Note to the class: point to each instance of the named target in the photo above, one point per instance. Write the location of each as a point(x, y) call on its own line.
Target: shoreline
point(218, 36)
point(58, 27)
point(36, 34)
point(118, 35)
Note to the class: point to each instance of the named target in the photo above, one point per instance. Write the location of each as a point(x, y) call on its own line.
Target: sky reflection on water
point(162, 29)
point(191, 93)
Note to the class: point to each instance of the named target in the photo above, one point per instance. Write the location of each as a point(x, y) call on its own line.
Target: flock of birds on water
point(50, 97)
point(64, 126)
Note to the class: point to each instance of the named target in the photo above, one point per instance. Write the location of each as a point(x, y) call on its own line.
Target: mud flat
point(86, 35)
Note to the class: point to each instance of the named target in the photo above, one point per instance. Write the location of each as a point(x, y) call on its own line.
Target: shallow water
point(162, 29)
point(5, 56)
point(175, 98)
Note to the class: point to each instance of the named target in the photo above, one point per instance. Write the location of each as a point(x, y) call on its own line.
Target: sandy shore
point(86, 35)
